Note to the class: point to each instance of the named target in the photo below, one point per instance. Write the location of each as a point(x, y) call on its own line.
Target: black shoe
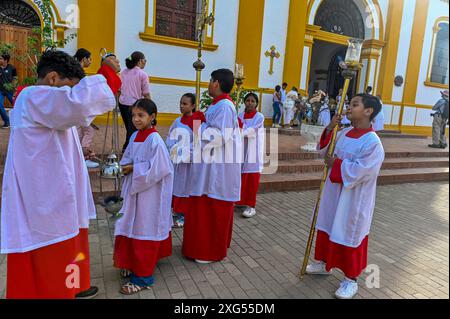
point(443, 146)
point(434, 146)
point(88, 294)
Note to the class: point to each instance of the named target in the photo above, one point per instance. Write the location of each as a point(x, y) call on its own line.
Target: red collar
point(143, 134)
point(222, 97)
point(250, 115)
point(359, 132)
point(189, 120)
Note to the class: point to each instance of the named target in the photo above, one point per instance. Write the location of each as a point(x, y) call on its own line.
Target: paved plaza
point(409, 244)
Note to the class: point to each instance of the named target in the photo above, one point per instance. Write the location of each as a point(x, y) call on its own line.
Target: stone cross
point(273, 54)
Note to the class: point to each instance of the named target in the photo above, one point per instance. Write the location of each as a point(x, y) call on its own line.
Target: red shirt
point(114, 81)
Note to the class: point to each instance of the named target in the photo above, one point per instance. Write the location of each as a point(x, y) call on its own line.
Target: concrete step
point(308, 166)
point(306, 181)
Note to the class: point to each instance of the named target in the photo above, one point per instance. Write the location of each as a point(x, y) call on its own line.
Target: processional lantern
point(110, 168)
point(352, 66)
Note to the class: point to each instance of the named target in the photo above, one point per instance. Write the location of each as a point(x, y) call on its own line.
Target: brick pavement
point(409, 243)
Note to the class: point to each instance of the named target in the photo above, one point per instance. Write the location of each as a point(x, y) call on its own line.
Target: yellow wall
point(249, 38)
point(295, 42)
point(97, 28)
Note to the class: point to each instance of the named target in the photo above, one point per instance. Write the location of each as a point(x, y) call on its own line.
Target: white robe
point(346, 210)
point(254, 142)
point(181, 155)
point(219, 179)
point(324, 115)
point(288, 106)
point(147, 191)
point(378, 122)
point(46, 196)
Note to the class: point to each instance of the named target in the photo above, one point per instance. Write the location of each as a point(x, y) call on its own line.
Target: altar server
point(179, 141)
point(215, 176)
point(346, 211)
point(254, 139)
point(143, 234)
point(46, 198)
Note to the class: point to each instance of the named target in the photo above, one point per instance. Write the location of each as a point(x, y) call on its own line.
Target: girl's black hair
point(148, 106)
point(192, 97)
point(251, 94)
point(6, 57)
point(81, 54)
point(60, 62)
point(371, 102)
point(134, 59)
point(278, 88)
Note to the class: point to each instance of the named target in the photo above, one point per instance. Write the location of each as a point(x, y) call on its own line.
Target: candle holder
point(239, 80)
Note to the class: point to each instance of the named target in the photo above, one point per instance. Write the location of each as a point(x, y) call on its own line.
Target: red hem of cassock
point(208, 228)
point(249, 189)
point(352, 261)
point(180, 204)
point(44, 273)
point(140, 256)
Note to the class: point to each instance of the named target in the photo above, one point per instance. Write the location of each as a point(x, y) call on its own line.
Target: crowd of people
point(46, 206)
point(318, 109)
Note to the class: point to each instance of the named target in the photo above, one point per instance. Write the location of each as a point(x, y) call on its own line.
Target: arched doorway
point(17, 21)
point(337, 19)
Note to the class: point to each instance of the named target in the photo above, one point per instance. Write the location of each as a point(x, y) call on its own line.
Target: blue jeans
point(276, 113)
point(142, 281)
point(3, 113)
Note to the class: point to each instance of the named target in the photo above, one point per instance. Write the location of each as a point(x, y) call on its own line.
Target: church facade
point(405, 55)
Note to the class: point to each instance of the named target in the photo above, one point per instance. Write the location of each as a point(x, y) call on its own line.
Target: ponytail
point(133, 60)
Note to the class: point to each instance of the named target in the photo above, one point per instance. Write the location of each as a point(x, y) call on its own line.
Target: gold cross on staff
point(272, 54)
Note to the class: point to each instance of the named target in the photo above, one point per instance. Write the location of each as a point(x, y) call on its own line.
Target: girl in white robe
point(179, 141)
point(254, 137)
point(143, 234)
point(346, 211)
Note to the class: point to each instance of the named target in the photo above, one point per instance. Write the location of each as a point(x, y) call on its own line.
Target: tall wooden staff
point(351, 68)
point(203, 20)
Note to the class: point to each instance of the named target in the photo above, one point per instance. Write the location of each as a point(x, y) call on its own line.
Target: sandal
point(131, 289)
point(125, 273)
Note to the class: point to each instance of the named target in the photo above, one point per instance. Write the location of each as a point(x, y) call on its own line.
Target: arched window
point(18, 13)
point(439, 60)
point(342, 17)
point(177, 18)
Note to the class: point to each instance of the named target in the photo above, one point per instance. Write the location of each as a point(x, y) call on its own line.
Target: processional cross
point(273, 54)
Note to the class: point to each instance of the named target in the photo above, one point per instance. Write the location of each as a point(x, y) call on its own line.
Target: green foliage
point(41, 40)
point(206, 100)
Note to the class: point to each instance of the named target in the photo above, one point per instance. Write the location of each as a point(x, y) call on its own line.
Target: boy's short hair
point(285, 84)
point(81, 54)
point(60, 62)
point(225, 77)
point(371, 102)
point(6, 57)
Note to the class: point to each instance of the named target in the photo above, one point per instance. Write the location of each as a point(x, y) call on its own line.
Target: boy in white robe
point(46, 198)
point(348, 200)
point(215, 176)
point(143, 234)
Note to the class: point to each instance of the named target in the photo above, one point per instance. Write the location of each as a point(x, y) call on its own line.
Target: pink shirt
point(135, 85)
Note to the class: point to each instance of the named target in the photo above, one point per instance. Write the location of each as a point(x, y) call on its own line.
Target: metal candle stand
point(110, 168)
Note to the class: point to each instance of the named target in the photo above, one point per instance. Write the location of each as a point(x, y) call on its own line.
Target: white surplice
point(179, 142)
point(346, 210)
point(147, 191)
point(221, 177)
point(46, 196)
point(254, 141)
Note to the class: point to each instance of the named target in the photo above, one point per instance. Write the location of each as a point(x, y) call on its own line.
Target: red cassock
point(249, 189)
point(50, 272)
point(140, 256)
point(213, 228)
point(180, 204)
